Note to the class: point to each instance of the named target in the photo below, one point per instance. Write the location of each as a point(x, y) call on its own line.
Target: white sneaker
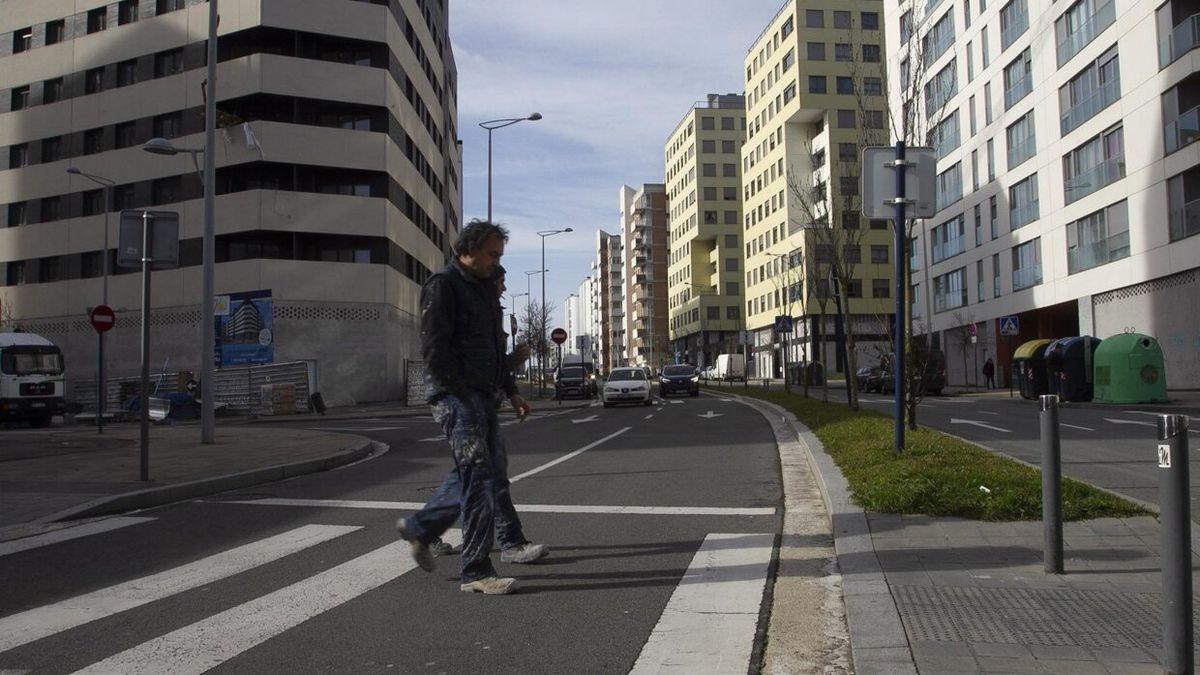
point(490, 586)
point(525, 553)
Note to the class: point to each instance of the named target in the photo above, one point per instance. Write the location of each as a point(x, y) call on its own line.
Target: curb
point(168, 494)
point(403, 414)
point(878, 642)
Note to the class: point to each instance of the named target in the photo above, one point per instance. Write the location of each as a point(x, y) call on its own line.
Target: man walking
point(989, 374)
point(465, 365)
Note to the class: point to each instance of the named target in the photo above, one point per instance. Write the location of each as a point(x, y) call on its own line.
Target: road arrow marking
point(709, 415)
point(1129, 422)
point(1076, 427)
point(977, 423)
point(581, 420)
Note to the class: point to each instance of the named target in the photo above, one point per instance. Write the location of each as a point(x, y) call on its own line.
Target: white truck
point(32, 379)
point(730, 367)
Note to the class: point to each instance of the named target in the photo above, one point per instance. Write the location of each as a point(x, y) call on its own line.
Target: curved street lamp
point(542, 324)
point(492, 125)
point(101, 378)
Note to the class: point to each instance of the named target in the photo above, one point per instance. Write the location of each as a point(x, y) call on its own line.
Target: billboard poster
point(244, 329)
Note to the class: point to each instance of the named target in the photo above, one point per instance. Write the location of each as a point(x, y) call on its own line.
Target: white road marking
point(569, 455)
point(530, 508)
point(977, 423)
point(437, 438)
point(648, 416)
point(1076, 427)
point(1141, 412)
point(67, 534)
point(708, 625)
point(1137, 422)
point(35, 624)
point(725, 400)
point(211, 642)
point(675, 402)
point(661, 408)
point(710, 414)
point(985, 412)
point(354, 428)
point(581, 420)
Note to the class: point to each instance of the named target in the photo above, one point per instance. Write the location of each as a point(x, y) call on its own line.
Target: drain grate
point(1051, 617)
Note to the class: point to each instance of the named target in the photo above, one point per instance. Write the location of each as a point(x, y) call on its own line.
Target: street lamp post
point(101, 375)
point(542, 324)
point(492, 125)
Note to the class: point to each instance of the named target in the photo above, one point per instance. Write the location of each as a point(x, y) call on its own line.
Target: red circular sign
point(103, 318)
point(559, 336)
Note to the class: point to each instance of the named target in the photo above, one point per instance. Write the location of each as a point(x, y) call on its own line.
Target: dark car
point(928, 378)
point(869, 378)
point(679, 379)
point(572, 381)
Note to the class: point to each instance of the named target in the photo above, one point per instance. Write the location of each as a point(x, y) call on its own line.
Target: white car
point(626, 385)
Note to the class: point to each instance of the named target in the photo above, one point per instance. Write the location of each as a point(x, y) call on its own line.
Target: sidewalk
point(49, 475)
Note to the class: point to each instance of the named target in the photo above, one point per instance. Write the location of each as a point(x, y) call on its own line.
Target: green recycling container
point(1129, 369)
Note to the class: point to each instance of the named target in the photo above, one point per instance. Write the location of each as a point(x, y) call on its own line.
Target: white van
point(730, 367)
point(32, 379)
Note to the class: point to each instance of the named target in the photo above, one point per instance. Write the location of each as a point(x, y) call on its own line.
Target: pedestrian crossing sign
point(1010, 325)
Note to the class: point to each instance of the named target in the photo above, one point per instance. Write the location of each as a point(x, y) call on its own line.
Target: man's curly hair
point(476, 232)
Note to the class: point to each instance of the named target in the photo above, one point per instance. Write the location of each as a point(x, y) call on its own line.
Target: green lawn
point(937, 475)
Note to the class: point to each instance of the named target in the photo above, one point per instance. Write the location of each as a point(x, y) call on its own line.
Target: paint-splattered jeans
point(477, 489)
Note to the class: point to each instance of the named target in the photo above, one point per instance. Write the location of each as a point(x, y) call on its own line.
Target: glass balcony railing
point(952, 193)
point(1182, 130)
point(1019, 90)
point(1016, 28)
point(946, 249)
point(1088, 107)
point(948, 301)
point(1182, 39)
point(1087, 256)
point(1027, 277)
point(936, 49)
point(1022, 215)
point(1087, 31)
point(1021, 151)
point(1105, 173)
point(1185, 222)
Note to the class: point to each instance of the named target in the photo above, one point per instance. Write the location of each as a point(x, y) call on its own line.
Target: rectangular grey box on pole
point(879, 189)
point(164, 239)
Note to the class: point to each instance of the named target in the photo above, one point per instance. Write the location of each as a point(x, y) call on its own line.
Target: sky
point(612, 79)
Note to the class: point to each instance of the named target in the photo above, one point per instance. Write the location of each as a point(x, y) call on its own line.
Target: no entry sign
point(103, 318)
point(559, 336)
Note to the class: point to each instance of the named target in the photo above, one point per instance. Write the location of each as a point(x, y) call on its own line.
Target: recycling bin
point(1029, 368)
point(1129, 368)
point(1069, 367)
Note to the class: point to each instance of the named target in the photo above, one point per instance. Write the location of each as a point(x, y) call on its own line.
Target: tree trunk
point(851, 358)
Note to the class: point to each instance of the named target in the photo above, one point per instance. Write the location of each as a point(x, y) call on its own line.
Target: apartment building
point(644, 257)
point(608, 301)
point(704, 219)
point(814, 98)
point(1069, 173)
point(338, 188)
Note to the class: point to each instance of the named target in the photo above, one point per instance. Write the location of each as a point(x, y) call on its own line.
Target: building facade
point(814, 98)
point(644, 254)
point(704, 217)
point(338, 173)
point(608, 301)
point(1069, 173)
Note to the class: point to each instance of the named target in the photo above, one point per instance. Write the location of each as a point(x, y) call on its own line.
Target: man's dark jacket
point(461, 336)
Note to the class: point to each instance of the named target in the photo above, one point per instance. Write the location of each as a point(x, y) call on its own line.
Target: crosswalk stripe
point(526, 508)
point(210, 642)
point(35, 624)
point(67, 534)
point(710, 621)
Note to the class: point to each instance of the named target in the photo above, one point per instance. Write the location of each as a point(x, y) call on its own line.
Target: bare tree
point(965, 321)
point(786, 272)
point(534, 330)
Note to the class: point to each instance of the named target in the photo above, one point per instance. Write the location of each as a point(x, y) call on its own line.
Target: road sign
point(163, 235)
point(512, 323)
point(783, 323)
point(1010, 325)
point(558, 335)
point(974, 330)
point(879, 182)
point(102, 318)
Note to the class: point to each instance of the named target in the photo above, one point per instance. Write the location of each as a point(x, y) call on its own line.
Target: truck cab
point(32, 379)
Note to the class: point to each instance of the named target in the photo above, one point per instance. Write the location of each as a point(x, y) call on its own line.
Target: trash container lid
point(1031, 350)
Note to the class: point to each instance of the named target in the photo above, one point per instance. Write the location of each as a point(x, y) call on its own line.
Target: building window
point(18, 214)
point(979, 240)
point(1027, 264)
point(1096, 164)
point(878, 223)
point(713, 312)
point(995, 275)
point(91, 265)
point(52, 149)
point(56, 31)
point(991, 160)
point(52, 90)
point(1181, 114)
point(851, 220)
point(164, 6)
point(127, 73)
point(97, 20)
point(733, 312)
point(854, 288)
point(870, 20)
point(946, 135)
point(880, 288)
point(993, 217)
point(1080, 24)
point(1023, 203)
point(841, 19)
point(847, 152)
point(950, 290)
point(788, 26)
point(1018, 79)
point(845, 119)
point(940, 89)
point(729, 194)
point(728, 147)
point(169, 125)
point(983, 46)
point(93, 202)
point(168, 63)
point(51, 209)
point(93, 81)
point(731, 264)
point(879, 254)
point(731, 288)
point(816, 51)
point(1098, 238)
point(814, 18)
point(789, 59)
point(127, 12)
point(949, 186)
point(843, 52)
point(845, 85)
point(939, 38)
point(731, 218)
point(979, 281)
point(124, 197)
point(870, 53)
point(816, 84)
point(165, 191)
point(15, 275)
point(93, 141)
point(708, 170)
point(873, 86)
point(708, 123)
point(1022, 143)
point(1183, 204)
point(18, 155)
point(1014, 21)
point(1095, 88)
point(22, 39)
point(974, 170)
point(20, 98)
point(848, 186)
point(906, 26)
point(789, 93)
point(126, 134)
point(852, 254)
point(948, 239)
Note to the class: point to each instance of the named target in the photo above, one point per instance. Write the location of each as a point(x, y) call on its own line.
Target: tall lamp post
point(492, 125)
point(542, 324)
point(101, 375)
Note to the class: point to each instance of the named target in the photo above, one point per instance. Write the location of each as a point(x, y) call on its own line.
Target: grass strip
point(937, 475)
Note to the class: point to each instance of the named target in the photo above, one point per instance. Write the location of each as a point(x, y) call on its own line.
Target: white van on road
point(32, 379)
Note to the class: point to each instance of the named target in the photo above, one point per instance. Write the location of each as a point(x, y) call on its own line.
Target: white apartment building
point(338, 168)
point(1069, 173)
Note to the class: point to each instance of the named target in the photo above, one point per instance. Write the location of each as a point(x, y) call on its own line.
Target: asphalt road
point(1115, 447)
point(241, 584)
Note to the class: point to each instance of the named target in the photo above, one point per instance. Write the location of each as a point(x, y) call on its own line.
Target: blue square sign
point(1010, 325)
point(783, 324)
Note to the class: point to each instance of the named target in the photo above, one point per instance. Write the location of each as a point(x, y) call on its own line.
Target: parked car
point(679, 378)
point(589, 370)
point(626, 385)
point(869, 378)
point(929, 377)
point(572, 381)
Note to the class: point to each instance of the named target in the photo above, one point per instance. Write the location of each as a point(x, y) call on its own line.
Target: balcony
point(1088, 107)
point(1086, 32)
point(1023, 215)
point(1185, 221)
point(1018, 91)
point(952, 193)
point(1182, 39)
point(1087, 256)
point(946, 249)
point(1021, 151)
point(947, 301)
point(1027, 277)
point(1105, 173)
point(1015, 29)
point(1182, 130)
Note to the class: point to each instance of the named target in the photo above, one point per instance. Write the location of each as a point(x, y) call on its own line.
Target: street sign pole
point(102, 319)
point(901, 263)
point(145, 430)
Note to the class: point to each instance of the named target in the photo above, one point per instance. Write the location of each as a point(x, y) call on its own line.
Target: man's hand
point(520, 406)
point(522, 353)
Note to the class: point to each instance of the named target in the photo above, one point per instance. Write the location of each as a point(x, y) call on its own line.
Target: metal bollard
point(1052, 547)
point(1175, 522)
